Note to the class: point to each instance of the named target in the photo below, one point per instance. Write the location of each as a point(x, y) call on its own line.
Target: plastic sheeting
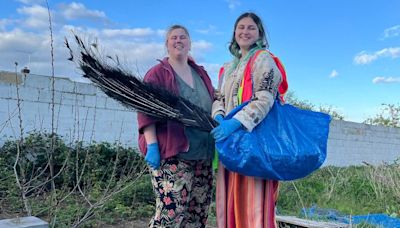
point(290, 143)
point(381, 220)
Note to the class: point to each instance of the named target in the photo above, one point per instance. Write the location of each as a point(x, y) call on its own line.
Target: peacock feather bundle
point(131, 91)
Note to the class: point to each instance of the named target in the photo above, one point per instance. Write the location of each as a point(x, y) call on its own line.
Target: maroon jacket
point(170, 134)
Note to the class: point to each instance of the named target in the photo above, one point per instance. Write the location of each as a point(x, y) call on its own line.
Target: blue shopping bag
point(290, 143)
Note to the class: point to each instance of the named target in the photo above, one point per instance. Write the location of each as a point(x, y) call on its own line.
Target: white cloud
point(24, 47)
point(20, 41)
point(391, 32)
point(135, 32)
point(161, 32)
point(212, 70)
point(364, 58)
point(140, 53)
point(30, 2)
point(201, 45)
point(199, 48)
point(137, 56)
point(389, 52)
point(28, 42)
point(211, 29)
point(378, 80)
point(87, 32)
point(75, 11)
point(112, 40)
point(37, 16)
point(334, 74)
point(232, 4)
point(4, 23)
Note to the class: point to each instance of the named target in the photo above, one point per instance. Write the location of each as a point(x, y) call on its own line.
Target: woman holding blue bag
point(245, 201)
point(260, 140)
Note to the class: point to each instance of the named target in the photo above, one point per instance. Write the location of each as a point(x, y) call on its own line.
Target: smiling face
point(246, 33)
point(178, 43)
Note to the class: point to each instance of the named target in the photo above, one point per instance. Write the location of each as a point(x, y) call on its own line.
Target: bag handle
point(247, 76)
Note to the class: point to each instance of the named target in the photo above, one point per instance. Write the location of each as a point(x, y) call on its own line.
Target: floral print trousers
point(183, 193)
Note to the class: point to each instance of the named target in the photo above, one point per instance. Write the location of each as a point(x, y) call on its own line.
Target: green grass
point(352, 191)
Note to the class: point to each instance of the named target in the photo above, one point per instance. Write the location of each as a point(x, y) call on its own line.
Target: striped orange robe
point(245, 202)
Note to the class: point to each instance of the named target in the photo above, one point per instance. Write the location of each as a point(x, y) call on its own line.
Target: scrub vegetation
point(103, 184)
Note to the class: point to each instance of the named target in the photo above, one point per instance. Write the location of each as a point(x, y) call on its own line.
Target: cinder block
point(64, 85)
point(68, 99)
point(79, 100)
point(29, 94)
point(36, 81)
point(44, 96)
point(47, 96)
point(99, 92)
point(113, 104)
point(90, 100)
point(24, 222)
point(85, 88)
point(4, 91)
point(394, 130)
point(5, 104)
point(101, 102)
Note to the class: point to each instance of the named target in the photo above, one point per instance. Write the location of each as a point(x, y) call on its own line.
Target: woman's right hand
point(225, 129)
point(153, 156)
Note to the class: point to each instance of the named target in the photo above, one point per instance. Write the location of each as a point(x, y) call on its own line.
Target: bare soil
point(143, 223)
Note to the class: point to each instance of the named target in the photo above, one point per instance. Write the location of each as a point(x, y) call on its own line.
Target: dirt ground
point(143, 223)
point(139, 223)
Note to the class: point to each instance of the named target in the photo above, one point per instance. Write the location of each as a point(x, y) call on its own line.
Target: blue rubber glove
point(219, 118)
point(225, 128)
point(153, 156)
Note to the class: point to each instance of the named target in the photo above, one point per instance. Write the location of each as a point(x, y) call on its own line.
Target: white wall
point(354, 143)
point(82, 112)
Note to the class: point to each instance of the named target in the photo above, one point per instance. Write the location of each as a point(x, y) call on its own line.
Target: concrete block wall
point(83, 112)
point(352, 143)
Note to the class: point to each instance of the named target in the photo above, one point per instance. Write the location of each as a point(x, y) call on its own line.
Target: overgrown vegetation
point(389, 116)
point(307, 105)
point(105, 183)
point(98, 182)
point(352, 191)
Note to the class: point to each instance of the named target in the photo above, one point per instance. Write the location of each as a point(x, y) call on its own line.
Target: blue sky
point(339, 53)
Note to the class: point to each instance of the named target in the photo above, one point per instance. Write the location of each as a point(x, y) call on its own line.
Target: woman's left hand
point(219, 118)
point(225, 128)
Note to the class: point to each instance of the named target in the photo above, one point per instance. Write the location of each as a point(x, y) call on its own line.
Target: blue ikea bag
point(290, 143)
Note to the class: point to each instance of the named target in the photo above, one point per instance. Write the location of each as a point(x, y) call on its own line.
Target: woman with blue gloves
point(179, 157)
point(244, 201)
